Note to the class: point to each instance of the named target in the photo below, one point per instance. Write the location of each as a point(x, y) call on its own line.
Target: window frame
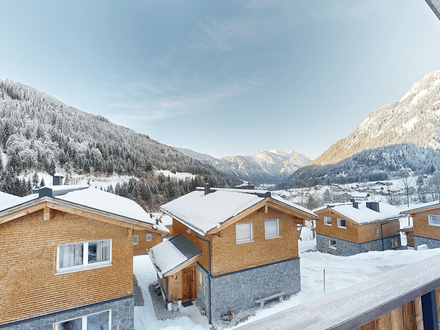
point(376, 232)
point(271, 236)
point(328, 224)
point(430, 222)
point(85, 265)
point(339, 223)
point(332, 246)
point(56, 326)
point(137, 240)
point(244, 240)
point(151, 237)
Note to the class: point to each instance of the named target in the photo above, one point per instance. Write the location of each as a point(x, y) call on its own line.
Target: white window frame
point(332, 246)
point(149, 240)
point(271, 236)
point(341, 226)
point(83, 318)
point(244, 240)
point(376, 232)
point(135, 239)
point(85, 265)
point(328, 223)
point(430, 219)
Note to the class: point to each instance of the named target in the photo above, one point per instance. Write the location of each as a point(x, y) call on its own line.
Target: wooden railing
point(405, 298)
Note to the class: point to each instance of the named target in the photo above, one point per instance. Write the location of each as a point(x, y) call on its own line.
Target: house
point(350, 228)
point(66, 259)
point(144, 240)
point(231, 247)
point(426, 224)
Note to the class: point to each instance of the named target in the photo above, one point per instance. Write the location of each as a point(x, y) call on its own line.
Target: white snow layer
point(205, 212)
point(363, 214)
point(165, 256)
point(7, 200)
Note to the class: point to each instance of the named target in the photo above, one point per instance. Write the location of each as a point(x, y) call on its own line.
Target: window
point(271, 229)
point(98, 321)
point(328, 221)
point(81, 256)
point(243, 232)
point(341, 223)
point(332, 244)
point(148, 237)
point(135, 240)
point(434, 220)
point(376, 232)
point(394, 243)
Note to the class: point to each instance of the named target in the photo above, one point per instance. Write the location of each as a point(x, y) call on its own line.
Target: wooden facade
point(143, 244)
point(421, 225)
point(30, 235)
point(355, 232)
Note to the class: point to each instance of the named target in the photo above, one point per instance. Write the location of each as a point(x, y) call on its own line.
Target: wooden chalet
point(426, 224)
point(350, 228)
point(231, 248)
point(66, 259)
point(144, 240)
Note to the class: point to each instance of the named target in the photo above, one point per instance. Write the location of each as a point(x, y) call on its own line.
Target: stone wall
point(206, 297)
point(430, 242)
point(239, 290)
point(346, 248)
point(122, 316)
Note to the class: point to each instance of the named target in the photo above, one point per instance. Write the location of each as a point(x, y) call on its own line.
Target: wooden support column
point(397, 319)
point(430, 320)
point(130, 232)
point(409, 320)
point(419, 314)
point(46, 214)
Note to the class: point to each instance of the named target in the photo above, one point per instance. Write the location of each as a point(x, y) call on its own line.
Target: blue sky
point(223, 77)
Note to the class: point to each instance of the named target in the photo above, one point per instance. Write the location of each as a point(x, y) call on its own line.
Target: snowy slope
point(266, 167)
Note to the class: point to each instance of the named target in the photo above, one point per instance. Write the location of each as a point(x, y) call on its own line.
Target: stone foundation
point(430, 242)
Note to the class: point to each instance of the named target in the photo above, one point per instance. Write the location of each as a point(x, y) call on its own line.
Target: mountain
point(402, 135)
point(39, 133)
point(266, 167)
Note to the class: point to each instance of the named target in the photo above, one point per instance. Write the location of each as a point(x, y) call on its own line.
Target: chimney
point(157, 221)
point(373, 206)
point(355, 205)
point(57, 180)
point(45, 192)
point(207, 189)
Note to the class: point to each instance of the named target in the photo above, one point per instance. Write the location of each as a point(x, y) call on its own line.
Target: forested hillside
point(38, 133)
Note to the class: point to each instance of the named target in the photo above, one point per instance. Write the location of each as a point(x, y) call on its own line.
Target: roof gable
point(425, 207)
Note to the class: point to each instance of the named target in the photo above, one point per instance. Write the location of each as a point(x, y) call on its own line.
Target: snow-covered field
point(341, 272)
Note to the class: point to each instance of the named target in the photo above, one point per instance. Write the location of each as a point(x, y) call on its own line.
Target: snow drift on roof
point(421, 206)
point(111, 203)
point(362, 214)
point(7, 200)
point(204, 212)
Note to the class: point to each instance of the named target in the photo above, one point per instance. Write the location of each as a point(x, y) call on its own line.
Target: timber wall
point(228, 256)
point(28, 254)
point(143, 247)
point(422, 228)
point(354, 232)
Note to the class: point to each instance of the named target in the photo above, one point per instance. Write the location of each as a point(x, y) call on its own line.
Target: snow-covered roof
point(363, 215)
point(421, 207)
point(173, 253)
point(111, 203)
point(89, 197)
point(203, 213)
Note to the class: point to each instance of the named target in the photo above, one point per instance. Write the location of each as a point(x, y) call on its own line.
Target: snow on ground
point(144, 317)
point(341, 272)
point(177, 175)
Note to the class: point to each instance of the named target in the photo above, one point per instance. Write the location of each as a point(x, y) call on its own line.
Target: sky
point(223, 77)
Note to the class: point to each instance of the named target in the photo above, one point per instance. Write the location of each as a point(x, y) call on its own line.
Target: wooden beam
point(21, 213)
point(46, 214)
point(409, 321)
point(397, 319)
point(130, 232)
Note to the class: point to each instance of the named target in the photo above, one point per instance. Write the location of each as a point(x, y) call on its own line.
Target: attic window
point(243, 232)
point(434, 220)
point(341, 223)
point(328, 221)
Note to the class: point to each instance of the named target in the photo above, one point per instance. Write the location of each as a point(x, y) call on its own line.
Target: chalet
point(350, 228)
point(426, 224)
point(144, 240)
point(66, 259)
point(231, 248)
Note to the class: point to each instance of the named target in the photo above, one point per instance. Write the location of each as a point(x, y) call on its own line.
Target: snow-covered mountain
point(266, 167)
point(394, 137)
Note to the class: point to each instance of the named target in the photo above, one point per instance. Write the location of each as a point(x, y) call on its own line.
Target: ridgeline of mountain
point(39, 133)
point(266, 167)
point(403, 135)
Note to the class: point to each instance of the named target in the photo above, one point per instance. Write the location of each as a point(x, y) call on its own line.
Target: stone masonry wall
point(346, 248)
point(122, 316)
point(430, 242)
point(239, 290)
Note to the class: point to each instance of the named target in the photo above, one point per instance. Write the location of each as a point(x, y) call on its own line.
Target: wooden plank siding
point(143, 246)
point(29, 285)
point(354, 232)
point(388, 301)
point(422, 227)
